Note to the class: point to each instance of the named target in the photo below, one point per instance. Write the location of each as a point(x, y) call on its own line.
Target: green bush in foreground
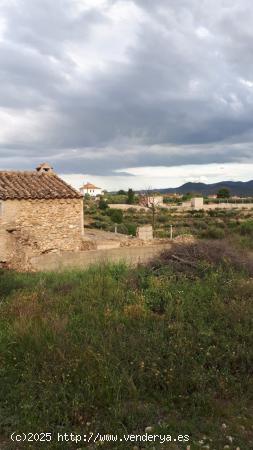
point(114, 350)
point(246, 228)
point(213, 232)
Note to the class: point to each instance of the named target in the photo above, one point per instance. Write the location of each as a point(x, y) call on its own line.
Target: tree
point(102, 204)
point(121, 192)
point(187, 197)
point(150, 202)
point(130, 197)
point(116, 215)
point(223, 193)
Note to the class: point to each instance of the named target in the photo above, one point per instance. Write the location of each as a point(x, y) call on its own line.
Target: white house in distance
point(91, 190)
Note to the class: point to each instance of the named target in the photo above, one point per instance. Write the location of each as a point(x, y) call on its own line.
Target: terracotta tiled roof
point(32, 185)
point(90, 186)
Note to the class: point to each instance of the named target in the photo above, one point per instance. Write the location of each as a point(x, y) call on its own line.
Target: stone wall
point(145, 232)
point(83, 259)
point(208, 206)
point(125, 207)
point(228, 206)
point(33, 227)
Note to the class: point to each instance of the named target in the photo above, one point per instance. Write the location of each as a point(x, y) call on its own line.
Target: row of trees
point(130, 195)
point(222, 193)
point(130, 199)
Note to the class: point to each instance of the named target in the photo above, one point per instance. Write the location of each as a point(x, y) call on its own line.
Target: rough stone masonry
point(39, 213)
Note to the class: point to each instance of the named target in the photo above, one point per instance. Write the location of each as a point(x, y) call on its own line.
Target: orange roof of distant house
point(90, 186)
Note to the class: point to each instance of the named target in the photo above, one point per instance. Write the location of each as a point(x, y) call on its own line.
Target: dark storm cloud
point(179, 92)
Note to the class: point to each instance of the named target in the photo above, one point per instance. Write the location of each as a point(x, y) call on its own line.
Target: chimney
point(44, 168)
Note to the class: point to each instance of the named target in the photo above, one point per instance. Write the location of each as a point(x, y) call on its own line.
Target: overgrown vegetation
point(234, 224)
point(115, 350)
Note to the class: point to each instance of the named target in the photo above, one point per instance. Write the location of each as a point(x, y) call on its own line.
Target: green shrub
point(162, 219)
point(213, 233)
point(99, 217)
point(246, 228)
point(217, 212)
point(201, 225)
point(116, 199)
point(116, 215)
point(131, 211)
point(131, 228)
point(162, 234)
point(99, 224)
point(102, 204)
point(143, 220)
point(157, 298)
point(244, 241)
point(233, 224)
point(122, 228)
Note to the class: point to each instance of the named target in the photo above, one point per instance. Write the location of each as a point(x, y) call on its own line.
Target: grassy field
point(114, 350)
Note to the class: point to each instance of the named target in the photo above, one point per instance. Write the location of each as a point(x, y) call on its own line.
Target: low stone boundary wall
point(83, 259)
point(186, 206)
point(125, 207)
point(228, 206)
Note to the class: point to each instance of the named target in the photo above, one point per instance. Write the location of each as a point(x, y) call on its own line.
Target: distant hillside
point(236, 188)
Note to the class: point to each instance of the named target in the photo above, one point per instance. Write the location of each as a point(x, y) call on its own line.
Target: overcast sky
point(128, 92)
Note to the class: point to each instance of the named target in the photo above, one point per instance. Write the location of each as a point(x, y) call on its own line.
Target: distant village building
point(212, 196)
point(91, 190)
point(39, 213)
point(197, 202)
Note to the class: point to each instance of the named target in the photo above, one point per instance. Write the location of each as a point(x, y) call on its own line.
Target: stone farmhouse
point(39, 213)
point(91, 190)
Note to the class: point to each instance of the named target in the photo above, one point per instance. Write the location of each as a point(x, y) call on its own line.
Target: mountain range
point(240, 188)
